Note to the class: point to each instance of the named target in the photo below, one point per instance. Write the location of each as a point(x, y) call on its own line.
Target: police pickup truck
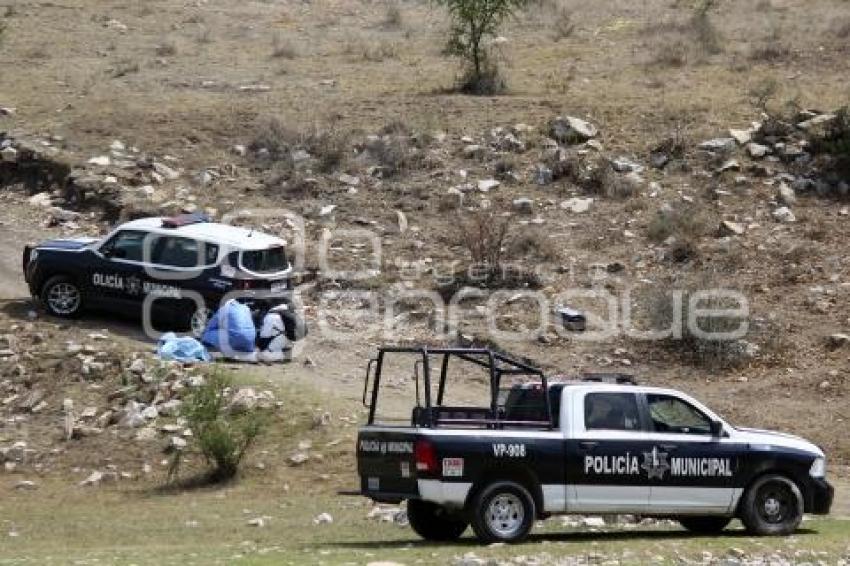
point(535, 447)
point(181, 267)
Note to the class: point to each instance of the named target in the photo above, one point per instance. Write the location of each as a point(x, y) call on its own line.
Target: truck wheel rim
point(198, 322)
point(63, 298)
point(505, 515)
point(775, 502)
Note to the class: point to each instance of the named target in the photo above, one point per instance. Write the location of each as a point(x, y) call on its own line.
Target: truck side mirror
point(716, 428)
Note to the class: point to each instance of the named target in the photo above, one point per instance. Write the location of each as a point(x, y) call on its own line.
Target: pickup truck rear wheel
point(503, 512)
point(434, 522)
point(772, 506)
point(705, 525)
point(62, 297)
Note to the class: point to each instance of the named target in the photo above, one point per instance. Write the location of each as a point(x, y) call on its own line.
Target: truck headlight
point(818, 469)
point(33, 254)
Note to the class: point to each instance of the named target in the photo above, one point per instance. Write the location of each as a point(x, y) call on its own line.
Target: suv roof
point(213, 232)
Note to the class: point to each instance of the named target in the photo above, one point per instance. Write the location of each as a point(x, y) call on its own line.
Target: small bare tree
point(472, 22)
point(483, 233)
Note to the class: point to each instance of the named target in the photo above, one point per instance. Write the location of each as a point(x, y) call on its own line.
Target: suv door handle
point(587, 444)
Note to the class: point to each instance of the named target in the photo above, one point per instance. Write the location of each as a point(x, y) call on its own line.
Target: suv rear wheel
point(772, 506)
point(503, 512)
point(705, 525)
point(62, 297)
point(434, 522)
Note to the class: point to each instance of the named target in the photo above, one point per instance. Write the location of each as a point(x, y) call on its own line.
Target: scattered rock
point(742, 137)
point(26, 485)
point(757, 151)
point(349, 180)
point(323, 519)
point(728, 228)
point(244, 400)
point(9, 155)
point(485, 185)
point(786, 195)
point(719, 145)
point(784, 214)
point(94, 479)
point(258, 522)
point(40, 199)
point(298, 458)
point(571, 130)
point(523, 205)
point(838, 340)
point(577, 205)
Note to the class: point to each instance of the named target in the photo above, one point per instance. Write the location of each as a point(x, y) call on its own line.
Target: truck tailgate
point(386, 464)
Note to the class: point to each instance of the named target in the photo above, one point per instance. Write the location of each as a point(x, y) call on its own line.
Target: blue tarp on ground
point(231, 329)
point(181, 349)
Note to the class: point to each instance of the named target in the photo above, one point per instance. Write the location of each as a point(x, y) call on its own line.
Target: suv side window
point(174, 251)
point(126, 244)
point(611, 411)
point(673, 415)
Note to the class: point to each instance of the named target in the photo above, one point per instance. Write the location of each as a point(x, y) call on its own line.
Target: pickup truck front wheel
point(434, 522)
point(503, 512)
point(772, 506)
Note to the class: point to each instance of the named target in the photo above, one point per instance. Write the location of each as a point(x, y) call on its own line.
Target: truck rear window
point(270, 260)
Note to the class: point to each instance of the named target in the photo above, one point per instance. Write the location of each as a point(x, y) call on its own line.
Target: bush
point(533, 243)
point(223, 437)
point(701, 350)
point(483, 234)
point(562, 23)
point(603, 181)
point(275, 138)
point(283, 48)
point(393, 18)
point(772, 50)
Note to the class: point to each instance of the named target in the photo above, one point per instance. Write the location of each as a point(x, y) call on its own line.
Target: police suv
point(603, 444)
point(180, 267)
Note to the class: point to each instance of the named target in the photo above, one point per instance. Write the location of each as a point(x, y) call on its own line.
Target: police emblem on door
point(655, 464)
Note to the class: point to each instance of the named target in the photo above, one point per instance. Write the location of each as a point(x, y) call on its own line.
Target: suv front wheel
point(62, 297)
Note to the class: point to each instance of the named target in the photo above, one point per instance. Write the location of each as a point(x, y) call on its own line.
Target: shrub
point(283, 48)
point(706, 34)
point(685, 223)
point(483, 234)
point(602, 180)
point(533, 243)
point(700, 349)
point(275, 138)
point(393, 17)
point(223, 437)
point(772, 49)
point(562, 23)
point(167, 48)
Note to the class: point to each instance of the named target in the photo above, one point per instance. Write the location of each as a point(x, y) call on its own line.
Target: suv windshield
point(271, 260)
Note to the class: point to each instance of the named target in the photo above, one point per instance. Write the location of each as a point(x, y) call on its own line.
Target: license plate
point(279, 286)
point(374, 484)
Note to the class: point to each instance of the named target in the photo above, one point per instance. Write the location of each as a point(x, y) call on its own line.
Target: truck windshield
point(270, 260)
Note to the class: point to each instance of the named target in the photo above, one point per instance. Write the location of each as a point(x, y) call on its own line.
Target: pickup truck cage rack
point(432, 414)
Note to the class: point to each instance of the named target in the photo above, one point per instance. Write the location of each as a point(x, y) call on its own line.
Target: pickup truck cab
point(535, 447)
